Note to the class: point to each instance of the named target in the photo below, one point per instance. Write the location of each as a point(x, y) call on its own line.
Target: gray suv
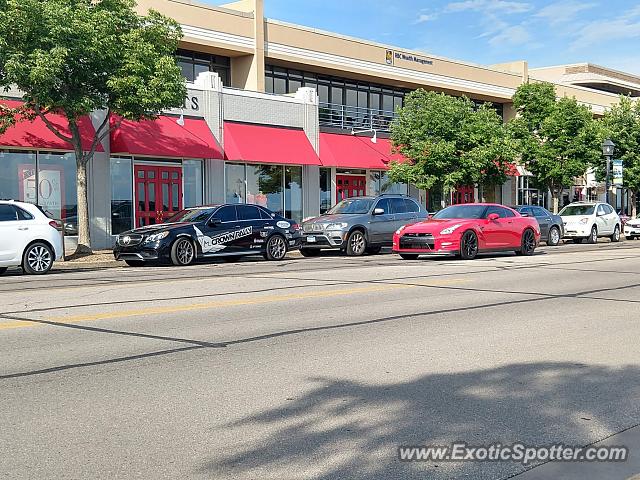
point(359, 225)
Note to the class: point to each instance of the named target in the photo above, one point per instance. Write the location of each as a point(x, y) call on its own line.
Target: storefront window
point(57, 188)
point(325, 189)
point(293, 193)
point(381, 184)
point(527, 193)
point(18, 176)
point(192, 174)
point(264, 186)
point(235, 183)
point(121, 195)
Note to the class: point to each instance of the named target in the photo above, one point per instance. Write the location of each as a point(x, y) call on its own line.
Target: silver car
point(359, 225)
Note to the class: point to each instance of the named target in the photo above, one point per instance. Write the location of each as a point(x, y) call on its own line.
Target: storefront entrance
point(158, 193)
point(464, 194)
point(348, 186)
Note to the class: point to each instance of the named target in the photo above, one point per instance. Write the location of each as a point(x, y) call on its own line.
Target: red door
point(348, 186)
point(463, 194)
point(158, 193)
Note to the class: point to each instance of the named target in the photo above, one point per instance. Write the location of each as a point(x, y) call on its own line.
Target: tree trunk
point(84, 236)
point(634, 206)
point(554, 201)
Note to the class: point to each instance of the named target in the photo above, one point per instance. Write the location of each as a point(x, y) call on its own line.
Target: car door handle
point(23, 228)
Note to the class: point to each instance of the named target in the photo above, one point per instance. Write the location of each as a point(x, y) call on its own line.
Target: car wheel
point(183, 252)
point(616, 234)
point(374, 250)
point(276, 248)
point(37, 259)
point(593, 238)
point(309, 252)
point(554, 237)
point(409, 256)
point(528, 243)
point(134, 263)
point(469, 245)
point(356, 244)
point(2, 270)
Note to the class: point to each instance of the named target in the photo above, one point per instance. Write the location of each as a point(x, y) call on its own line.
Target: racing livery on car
point(228, 231)
point(466, 230)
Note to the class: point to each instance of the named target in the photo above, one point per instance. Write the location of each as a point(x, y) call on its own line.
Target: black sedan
point(551, 226)
point(228, 231)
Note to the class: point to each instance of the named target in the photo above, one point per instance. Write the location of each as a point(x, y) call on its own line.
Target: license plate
point(311, 239)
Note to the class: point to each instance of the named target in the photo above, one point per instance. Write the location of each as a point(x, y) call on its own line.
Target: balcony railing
point(358, 118)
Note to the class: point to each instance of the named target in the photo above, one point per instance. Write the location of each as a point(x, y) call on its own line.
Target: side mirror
point(378, 211)
point(214, 221)
point(493, 217)
point(522, 214)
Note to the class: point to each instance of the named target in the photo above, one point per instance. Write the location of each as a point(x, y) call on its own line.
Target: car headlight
point(451, 229)
point(337, 226)
point(584, 221)
point(155, 237)
point(400, 230)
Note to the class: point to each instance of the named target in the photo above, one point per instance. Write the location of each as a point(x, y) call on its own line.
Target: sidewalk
point(629, 470)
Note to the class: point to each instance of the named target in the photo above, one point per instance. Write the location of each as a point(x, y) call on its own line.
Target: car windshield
point(352, 206)
point(570, 210)
point(461, 211)
point(191, 215)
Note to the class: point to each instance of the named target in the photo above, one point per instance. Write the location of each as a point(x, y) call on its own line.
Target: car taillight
point(56, 225)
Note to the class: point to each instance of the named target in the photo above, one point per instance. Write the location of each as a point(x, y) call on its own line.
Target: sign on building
point(617, 172)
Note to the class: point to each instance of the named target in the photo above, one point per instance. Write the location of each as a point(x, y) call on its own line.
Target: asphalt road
point(316, 368)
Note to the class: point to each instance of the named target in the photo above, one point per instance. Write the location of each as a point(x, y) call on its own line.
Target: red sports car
point(466, 230)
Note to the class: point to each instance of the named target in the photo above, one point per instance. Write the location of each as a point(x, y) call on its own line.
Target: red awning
point(384, 147)
point(348, 151)
point(164, 137)
point(36, 134)
point(263, 144)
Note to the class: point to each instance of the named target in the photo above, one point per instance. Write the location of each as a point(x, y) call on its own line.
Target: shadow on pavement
point(342, 429)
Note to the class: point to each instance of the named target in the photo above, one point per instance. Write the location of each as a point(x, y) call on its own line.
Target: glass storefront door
point(158, 193)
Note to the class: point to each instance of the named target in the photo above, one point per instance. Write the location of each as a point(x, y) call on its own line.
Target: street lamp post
point(607, 150)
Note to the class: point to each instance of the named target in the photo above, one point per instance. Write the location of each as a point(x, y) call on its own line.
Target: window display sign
point(48, 192)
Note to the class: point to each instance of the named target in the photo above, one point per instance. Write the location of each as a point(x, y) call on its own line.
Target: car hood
point(634, 223)
point(437, 225)
point(336, 218)
point(162, 227)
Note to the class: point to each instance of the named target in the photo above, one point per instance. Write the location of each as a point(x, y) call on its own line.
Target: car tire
point(553, 239)
point(468, 245)
point(309, 252)
point(37, 259)
point(409, 256)
point(3, 269)
point(374, 250)
point(356, 244)
point(527, 243)
point(276, 248)
point(134, 263)
point(593, 238)
point(615, 238)
point(183, 252)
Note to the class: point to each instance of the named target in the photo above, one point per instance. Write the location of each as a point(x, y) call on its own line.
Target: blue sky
point(484, 31)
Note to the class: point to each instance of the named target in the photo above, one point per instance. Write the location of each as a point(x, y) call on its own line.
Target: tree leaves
point(450, 142)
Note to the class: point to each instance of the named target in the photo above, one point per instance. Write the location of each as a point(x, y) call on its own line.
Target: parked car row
point(355, 226)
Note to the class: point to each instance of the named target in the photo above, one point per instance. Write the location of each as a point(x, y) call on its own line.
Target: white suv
point(590, 220)
point(28, 238)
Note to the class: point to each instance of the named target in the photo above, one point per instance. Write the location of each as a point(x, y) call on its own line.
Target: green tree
point(74, 57)
point(622, 125)
point(450, 142)
point(558, 139)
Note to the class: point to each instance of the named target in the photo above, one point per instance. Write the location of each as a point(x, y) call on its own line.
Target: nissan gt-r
point(469, 229)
